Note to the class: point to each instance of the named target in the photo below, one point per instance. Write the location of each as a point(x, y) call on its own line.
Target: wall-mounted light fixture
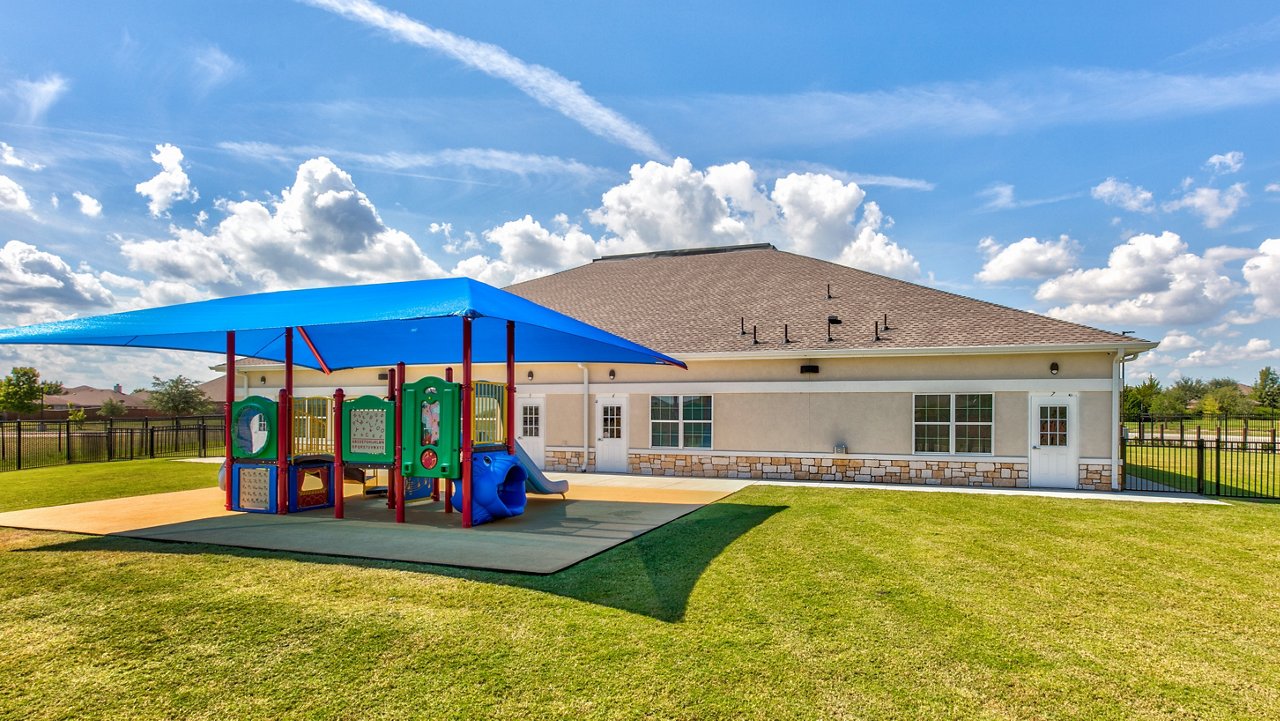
point(262, 380)
point(1053, 368)
point(382, 376)
point(530, 375)
point(612, 374)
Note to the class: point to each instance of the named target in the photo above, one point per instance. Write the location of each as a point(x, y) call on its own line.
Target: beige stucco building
point(793, 374)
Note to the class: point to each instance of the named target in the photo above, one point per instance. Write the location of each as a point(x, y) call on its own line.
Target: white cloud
point(1123, 195)
point(54, 200)
point(999, 197)
point(1176, 340)
point(528, 250)
point(1010, 103)
point(679, 206)
point(523, 164)
point(452, 245)
point(36, 285)
point(1273, 187)
point(1223, 354)
point(13, 198)
point(544, 85)
point(1225, 163)
point(1262, 275)
point(211, 67)
point(10, 157)
point(89, 205)
point(168, 186)
point(1215, 205)
point(1026, 258)
point(33, 98)
point(1148, 280)
point(321, 231)
point(666, 206)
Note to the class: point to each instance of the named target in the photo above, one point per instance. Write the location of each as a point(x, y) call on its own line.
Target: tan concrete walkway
point(597, 514)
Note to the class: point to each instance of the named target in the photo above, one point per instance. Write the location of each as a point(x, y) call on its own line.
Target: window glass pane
point(665, 434)
point(933, 438)
point(697, 435)
point(933, 409)
point(664, 408)
point(1053, 425)
point(973, 438)
point(973, 408)
point(697, 408)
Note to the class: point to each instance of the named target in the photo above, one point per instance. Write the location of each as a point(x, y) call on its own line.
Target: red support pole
point(466, 422)
point(511, 387)
point(448, 482)
point(286, 427)
point(339, 469)
point(399, 443)
point(395, 466)
point(400, 448)
point(282, 452)
point(226, 414)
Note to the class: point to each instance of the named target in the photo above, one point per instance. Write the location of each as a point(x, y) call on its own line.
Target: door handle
point(1035, 448)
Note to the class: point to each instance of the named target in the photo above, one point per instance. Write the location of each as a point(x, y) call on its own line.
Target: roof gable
point(699, 302)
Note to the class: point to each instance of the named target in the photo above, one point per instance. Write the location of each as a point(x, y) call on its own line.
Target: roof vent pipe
point(886, 321)
point(754, 340)
point(829, 296)
point(877, 331)
point(742, 325)
point(786, 336)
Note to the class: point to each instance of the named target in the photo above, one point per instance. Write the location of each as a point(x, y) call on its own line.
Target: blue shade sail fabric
point(417, 322)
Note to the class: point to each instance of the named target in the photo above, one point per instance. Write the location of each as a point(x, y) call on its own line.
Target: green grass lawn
point(775, 603)
point(1228, 473)
point(80, 482)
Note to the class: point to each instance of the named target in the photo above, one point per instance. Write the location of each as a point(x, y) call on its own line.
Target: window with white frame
point(953, 423)
point(680, 421)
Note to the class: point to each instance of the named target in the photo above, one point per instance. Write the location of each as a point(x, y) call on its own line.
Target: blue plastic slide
point(537, 481)
point(497, 487)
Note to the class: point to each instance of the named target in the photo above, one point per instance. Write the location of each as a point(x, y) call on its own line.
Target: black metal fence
point(1216, 427)
point(36, 444)
point(1209, 466)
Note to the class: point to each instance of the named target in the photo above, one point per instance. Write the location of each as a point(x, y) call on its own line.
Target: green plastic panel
point(432, 422)
point(369, 427)
point(254, 423)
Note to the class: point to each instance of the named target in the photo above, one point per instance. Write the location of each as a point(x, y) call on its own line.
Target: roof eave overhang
point(1133, 347)
point(1125, 348)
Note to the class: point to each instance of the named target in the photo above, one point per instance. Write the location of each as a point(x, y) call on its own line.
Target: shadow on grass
point(651, 575)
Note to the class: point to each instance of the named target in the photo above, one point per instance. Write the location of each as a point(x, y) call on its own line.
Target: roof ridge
point(678, 252)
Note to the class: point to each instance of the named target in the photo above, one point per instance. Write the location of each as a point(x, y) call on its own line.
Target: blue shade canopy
point(418, 322)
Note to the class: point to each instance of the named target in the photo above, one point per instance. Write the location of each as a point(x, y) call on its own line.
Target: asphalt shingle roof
point(694, 302)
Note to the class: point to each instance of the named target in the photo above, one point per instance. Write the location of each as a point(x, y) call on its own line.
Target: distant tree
point(22, 391)
point(1167, 404)
point(76, 416)
point(1190, 389)
point(1138, 399)
point(1214, 384)
point(1266, 392)
point(1225, 400)
point(112, 408)
point(179, 396)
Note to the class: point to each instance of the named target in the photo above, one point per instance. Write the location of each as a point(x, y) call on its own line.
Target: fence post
point(1200, 466)
point(111, 441)
point(68, 429)
point(18, 443)
point(151, 442)
point(202, 441)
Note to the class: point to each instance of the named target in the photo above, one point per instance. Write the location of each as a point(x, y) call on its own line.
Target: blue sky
point(1107, 163)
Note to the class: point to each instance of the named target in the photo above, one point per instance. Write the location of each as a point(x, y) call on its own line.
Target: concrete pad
point(553, 533)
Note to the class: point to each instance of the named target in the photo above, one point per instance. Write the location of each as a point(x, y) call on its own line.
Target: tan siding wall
point(1011, 424)
point(1095, 425)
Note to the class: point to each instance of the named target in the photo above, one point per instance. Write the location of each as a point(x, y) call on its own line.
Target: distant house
point(803, 369)
point(90, 398)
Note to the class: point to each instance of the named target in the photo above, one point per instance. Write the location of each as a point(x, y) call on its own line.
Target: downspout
point(1117, 365)
point(586, 416)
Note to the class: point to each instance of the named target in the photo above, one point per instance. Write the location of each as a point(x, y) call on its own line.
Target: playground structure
point(294, 453)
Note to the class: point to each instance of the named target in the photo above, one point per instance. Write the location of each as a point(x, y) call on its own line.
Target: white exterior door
point(531, 428)
point(611, 435)
point(1053, 460)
